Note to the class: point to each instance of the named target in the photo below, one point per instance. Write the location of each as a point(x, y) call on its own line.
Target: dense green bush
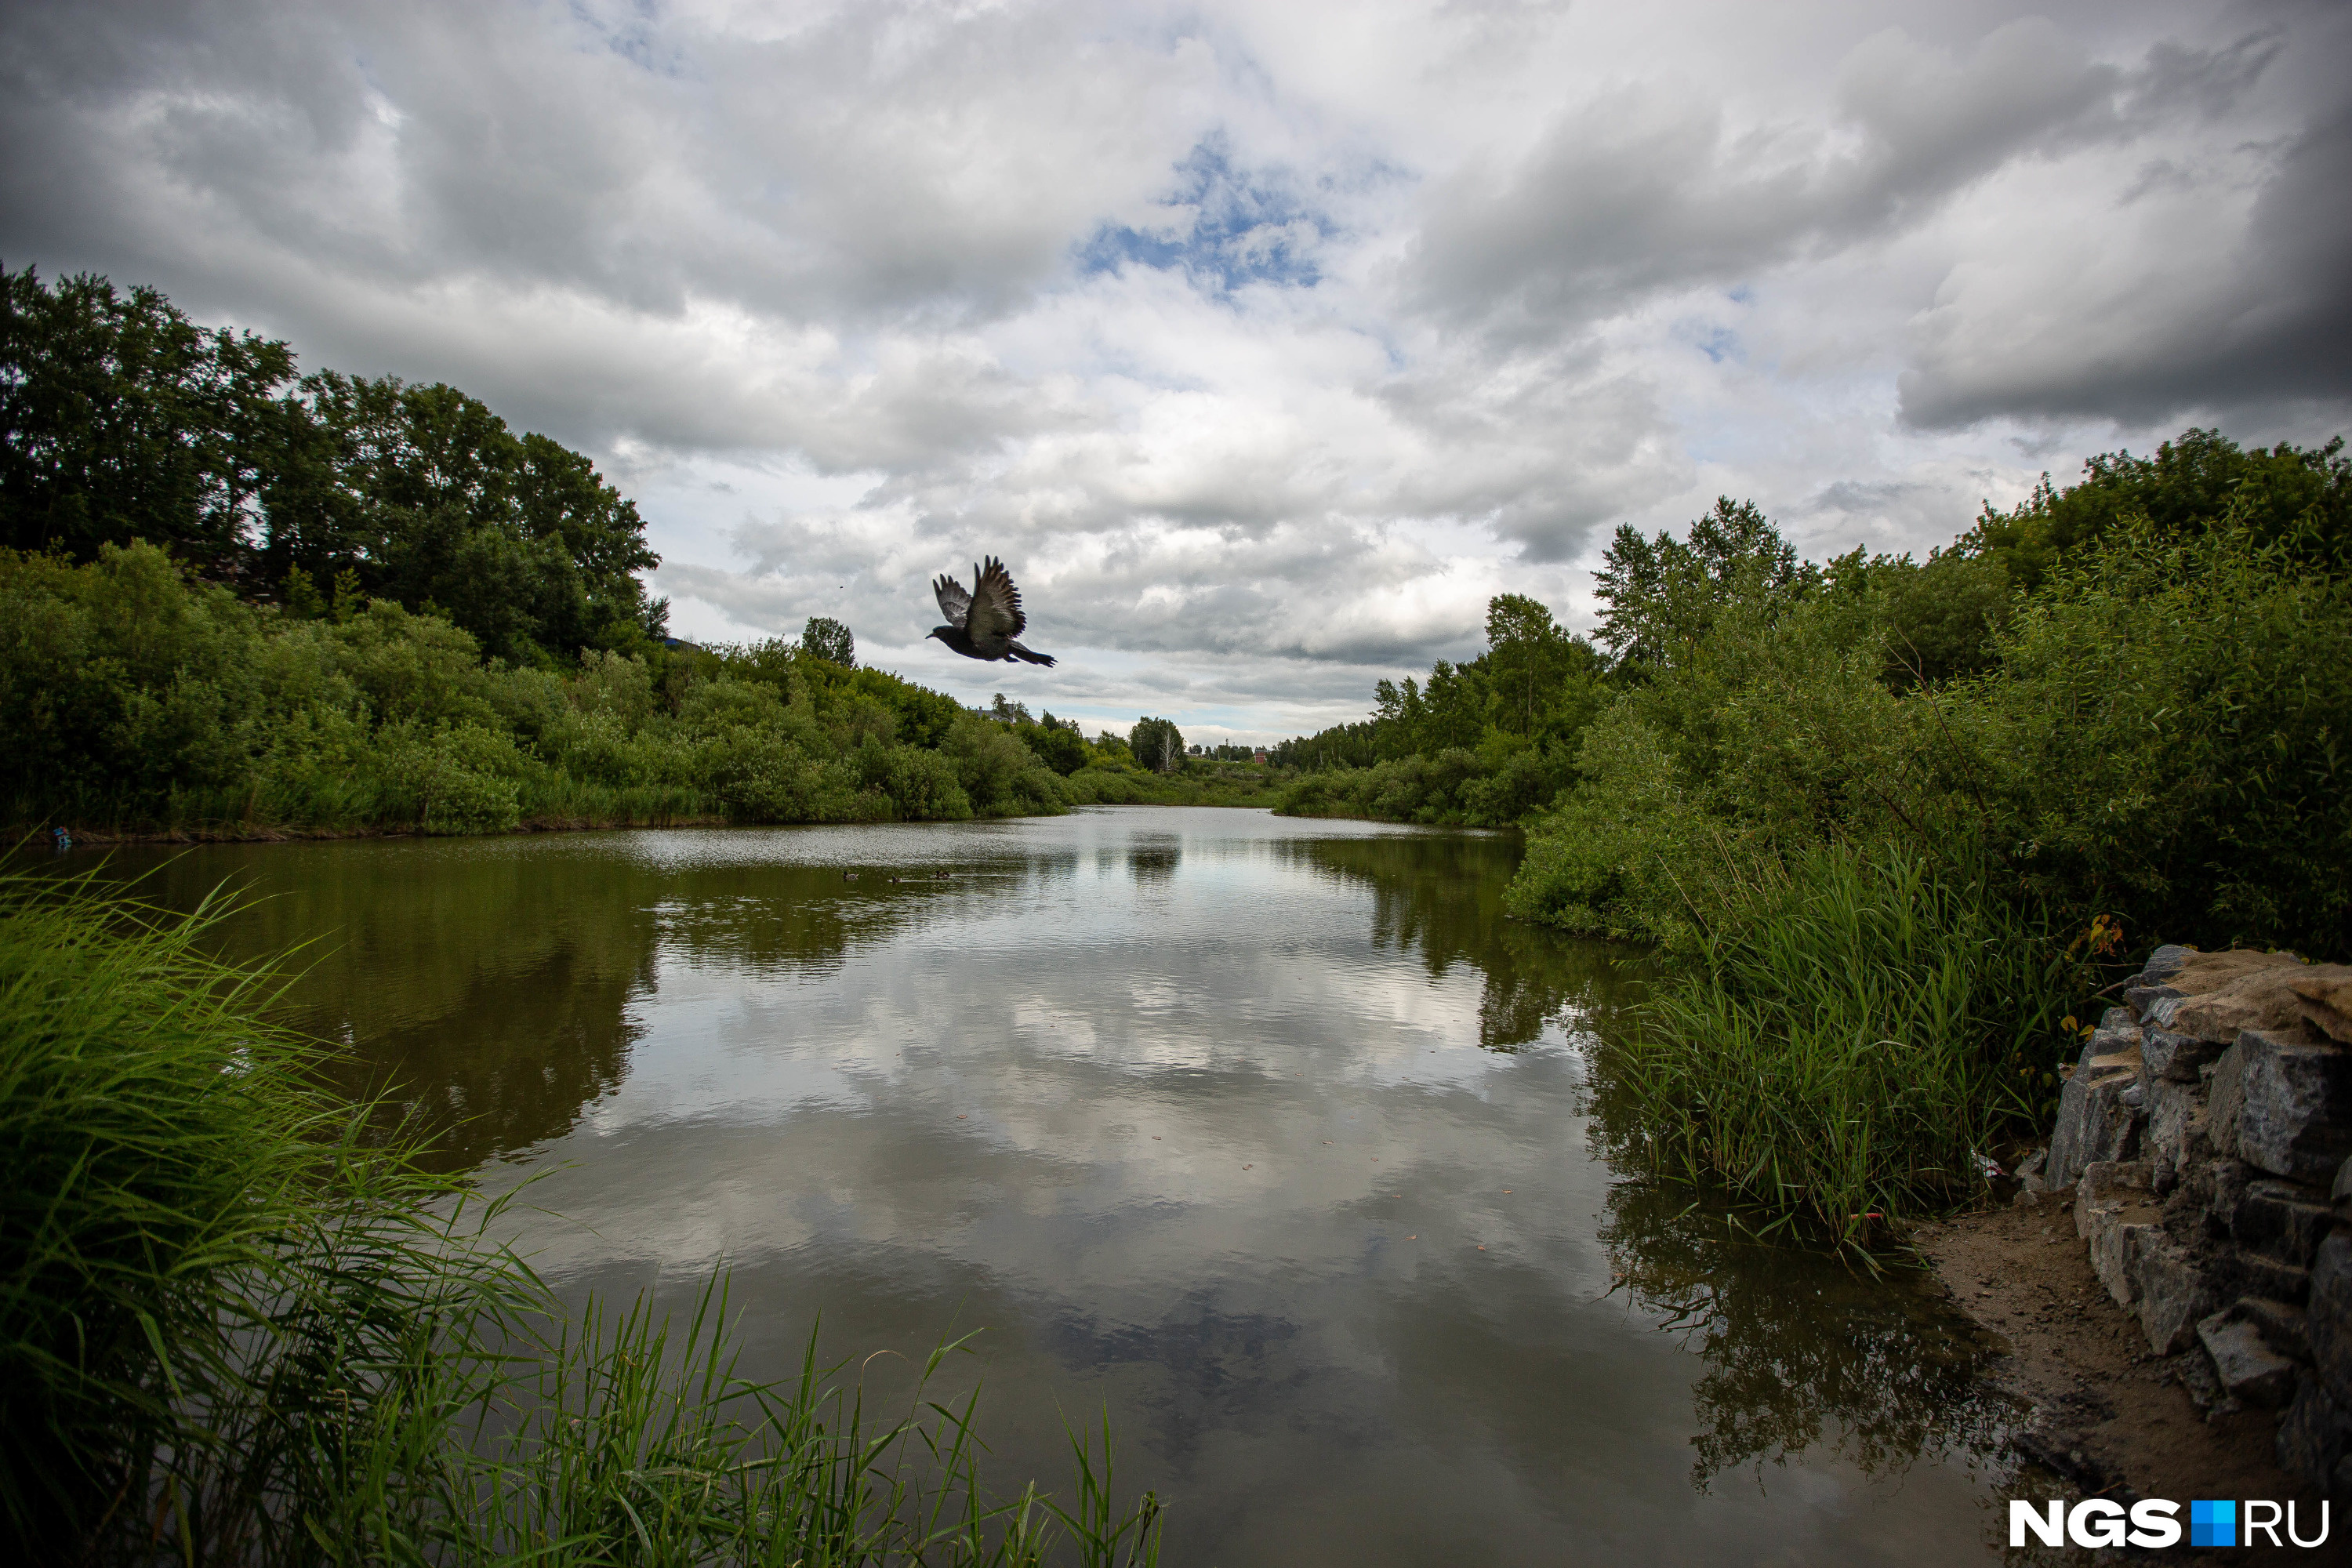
point(2157, 739)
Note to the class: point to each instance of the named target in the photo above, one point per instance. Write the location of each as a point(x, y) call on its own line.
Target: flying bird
point(983, 623)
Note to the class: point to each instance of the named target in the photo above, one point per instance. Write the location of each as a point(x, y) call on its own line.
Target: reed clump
point(239, 1326)
point(1860, 1027)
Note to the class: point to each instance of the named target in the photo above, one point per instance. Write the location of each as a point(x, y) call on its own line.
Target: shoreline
point(2106, 1415)
point(281, 834)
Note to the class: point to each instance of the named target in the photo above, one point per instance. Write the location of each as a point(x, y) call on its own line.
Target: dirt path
point(2109, 1416)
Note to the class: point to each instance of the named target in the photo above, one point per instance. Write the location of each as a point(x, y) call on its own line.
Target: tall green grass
point(1856, 1028)
point(237, 1327)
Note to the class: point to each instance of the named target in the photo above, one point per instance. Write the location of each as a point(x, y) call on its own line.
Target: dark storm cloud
point(2272, 325)
point(1646, 189)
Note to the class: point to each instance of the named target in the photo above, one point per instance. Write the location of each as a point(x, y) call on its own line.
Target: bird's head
point(935, 631)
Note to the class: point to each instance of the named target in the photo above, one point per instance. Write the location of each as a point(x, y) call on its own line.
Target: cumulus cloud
point(1267, 343)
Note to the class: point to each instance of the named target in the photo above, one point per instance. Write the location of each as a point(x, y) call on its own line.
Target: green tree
point(1157, 745)
point(827, 639)
point(1660, 596)
point(121, 419)
point(426, 496)
point(1058, 746)
point(2295, 496)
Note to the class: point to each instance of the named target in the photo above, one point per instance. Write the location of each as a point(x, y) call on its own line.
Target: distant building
point(1258, 757)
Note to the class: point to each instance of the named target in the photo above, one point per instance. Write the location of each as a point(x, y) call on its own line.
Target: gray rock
point(2342, 1190)
point(2173, 1292)
point(2118, 1019)
point(2109, 1185)
point(2118, 1033)
point(2032, 1164)
point(2224, 1182)
point(2140, 998)
point(2224, 1100)
point(2281, 1324)
point(2252, 1274)
point(2165, 962)
point(2117, 1238)
point(2175, 1116)
point(2314, 1436)
point(2094, 1122)
point(2250, 1372)
point(2328, 1318)
point(2281, 1220)
point(2296, 1115)
point(2179, 1057)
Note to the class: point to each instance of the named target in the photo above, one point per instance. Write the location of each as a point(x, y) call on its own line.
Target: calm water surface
point(1273, 1136)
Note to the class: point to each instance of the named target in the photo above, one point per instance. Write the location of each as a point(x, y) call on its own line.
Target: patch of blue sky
point(632, 35)
point(1229, 227)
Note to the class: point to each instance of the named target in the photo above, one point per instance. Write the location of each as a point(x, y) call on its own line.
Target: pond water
point(1273, 1137)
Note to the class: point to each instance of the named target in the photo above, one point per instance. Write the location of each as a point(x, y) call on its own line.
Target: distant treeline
point(237, 600)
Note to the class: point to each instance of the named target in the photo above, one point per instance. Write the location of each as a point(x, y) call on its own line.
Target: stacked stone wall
point(2205, 1138)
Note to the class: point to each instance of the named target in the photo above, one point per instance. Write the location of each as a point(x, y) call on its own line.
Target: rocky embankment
point(2206, 1134)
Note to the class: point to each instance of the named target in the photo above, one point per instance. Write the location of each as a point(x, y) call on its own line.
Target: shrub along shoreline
point(1894, 822)
point(239, 1326)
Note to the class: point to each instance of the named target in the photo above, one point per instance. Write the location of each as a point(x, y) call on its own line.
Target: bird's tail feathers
point(1017, 651)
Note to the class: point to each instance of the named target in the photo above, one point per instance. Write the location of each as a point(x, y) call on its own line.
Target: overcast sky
point(1264, 342)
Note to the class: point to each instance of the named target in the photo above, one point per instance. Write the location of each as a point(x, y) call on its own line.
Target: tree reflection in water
point(1442, 895)
point(1802, 1350)
point(491, 986)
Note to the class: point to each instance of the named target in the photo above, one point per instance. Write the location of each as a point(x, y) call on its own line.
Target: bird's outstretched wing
point(954, 603)
point(996, 604)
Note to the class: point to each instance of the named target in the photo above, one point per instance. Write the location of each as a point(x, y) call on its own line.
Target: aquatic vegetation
point(1844, 1052)
point(238, 1324)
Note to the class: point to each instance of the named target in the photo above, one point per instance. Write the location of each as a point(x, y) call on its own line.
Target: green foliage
point(2300, 498)
point(1157, 745)
point(2168, 737)
point(237, 1328)
point(1000, 777)
point(1660, 596)
point(1859, 1026)
point(1483, 743)
point(121, 420)
point(2124, 707)
point(150, 1140)
point(141, 699)
point(827, 639)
